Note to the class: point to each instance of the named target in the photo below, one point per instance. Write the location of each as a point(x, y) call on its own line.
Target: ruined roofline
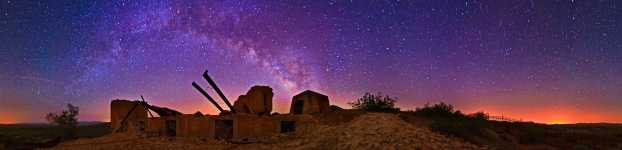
point(161, 111)
point(309, 92)
point(124, 100)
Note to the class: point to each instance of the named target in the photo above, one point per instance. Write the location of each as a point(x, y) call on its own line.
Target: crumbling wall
point(293, 123)
point(136, 120)
point(252, 119)
point(247, 126)
point(195, 126)
point(258, 100)
point(162, 126)
point(155, 126)
point(309, 102)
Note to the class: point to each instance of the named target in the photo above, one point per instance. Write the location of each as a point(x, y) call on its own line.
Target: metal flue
point(213, 84)
point(196, 86)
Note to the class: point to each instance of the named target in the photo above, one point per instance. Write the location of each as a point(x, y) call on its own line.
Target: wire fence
point(504, 118)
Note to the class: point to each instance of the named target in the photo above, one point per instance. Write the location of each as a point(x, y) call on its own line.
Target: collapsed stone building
point(248, 118)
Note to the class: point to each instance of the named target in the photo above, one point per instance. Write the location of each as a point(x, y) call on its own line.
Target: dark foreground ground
point(525, 135)
point(347, 126)
point(31, 136)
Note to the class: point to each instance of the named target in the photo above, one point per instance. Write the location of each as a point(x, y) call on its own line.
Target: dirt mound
point(368, 131)
point(375, 131)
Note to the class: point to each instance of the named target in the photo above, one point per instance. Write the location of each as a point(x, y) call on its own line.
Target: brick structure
point(258, 100)
point(134, 113)
point(293, 123)
point(195, 126)
point(309, 102)
point(251, 120)
point(248, 126)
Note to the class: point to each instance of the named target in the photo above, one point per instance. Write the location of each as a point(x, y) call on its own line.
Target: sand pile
point(369, 131)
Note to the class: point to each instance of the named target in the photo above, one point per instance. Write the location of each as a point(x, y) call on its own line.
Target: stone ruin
point(258, 100)
point(309, 102)
point(132, 114)
point(248, 118)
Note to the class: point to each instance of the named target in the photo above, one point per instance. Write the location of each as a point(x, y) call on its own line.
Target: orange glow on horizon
point(7, 119)
point(546, 115)
point(558, 122)
point(557, 108)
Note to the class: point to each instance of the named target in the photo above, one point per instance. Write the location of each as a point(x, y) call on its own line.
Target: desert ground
point(347, 129)
point(30, 136)
point(368, 131)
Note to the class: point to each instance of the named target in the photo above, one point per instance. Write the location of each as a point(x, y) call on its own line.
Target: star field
point(531, 60)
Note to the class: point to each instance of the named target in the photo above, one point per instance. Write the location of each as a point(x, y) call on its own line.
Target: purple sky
point(546, 61)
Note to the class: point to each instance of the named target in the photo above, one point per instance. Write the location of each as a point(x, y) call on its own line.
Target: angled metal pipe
point(196, 86)
point(147, 105)
point(213, 84)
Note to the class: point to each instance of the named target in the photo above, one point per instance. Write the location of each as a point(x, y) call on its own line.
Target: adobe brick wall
point(189, 125)
point(120, 108)
point(155, 126)
point(302, 122)
point(313, 102)
point(253, 126)
point(258, 100)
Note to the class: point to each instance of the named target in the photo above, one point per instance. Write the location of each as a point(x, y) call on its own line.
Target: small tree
point(377, 103)
point(67, 120)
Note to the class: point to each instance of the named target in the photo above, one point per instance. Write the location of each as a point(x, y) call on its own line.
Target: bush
point(448, 121)
point(375, 103)
point(480, 116)
point(67, 120)
point(437, 110)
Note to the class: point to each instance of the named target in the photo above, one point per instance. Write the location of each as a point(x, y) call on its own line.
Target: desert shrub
point(437, 110)
point(67, 120)
point(448, 121)
point(480, 116)
point(375, 103)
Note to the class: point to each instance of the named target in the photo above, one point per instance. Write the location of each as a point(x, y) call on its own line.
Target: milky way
point(533, 60)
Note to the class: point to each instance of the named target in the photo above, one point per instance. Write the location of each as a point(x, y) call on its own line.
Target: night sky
point(550, 61)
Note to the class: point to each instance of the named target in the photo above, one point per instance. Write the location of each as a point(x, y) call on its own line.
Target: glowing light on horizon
point(6, 119)
point(558, 122)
